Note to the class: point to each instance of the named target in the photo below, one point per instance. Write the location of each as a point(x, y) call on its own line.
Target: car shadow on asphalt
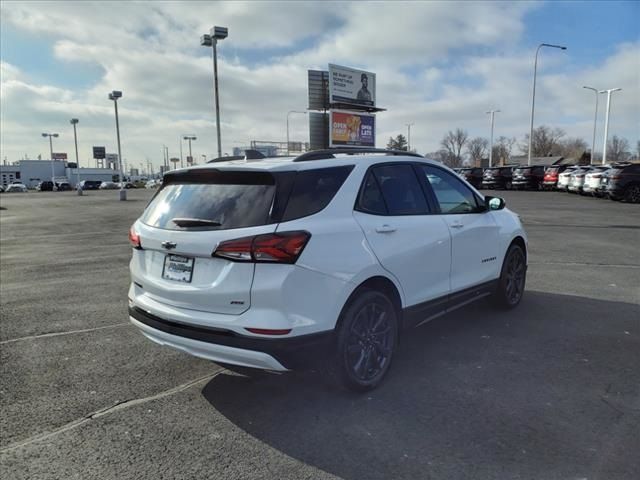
point(544, 391)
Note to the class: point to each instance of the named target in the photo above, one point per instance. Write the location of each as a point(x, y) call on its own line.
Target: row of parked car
point(620, 181)
point(49, 186)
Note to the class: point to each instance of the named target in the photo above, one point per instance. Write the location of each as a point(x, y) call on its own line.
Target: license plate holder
point(178, 268)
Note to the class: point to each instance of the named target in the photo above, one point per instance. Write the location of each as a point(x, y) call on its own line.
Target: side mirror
point(494, 203)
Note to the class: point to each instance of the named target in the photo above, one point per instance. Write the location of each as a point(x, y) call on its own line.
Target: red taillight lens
point(283, 247)
point(134, 239)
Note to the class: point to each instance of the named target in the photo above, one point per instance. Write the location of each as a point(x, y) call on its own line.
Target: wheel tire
point(632, 194)
point(512, 278)
point(508, 186)
point(366, 339)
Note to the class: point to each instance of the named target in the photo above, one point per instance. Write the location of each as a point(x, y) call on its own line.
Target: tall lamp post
point(595, 121)
point(190, 138)
point(289, 113)
point(115, 95)
point(533, 97)
point(492, 113)
point(50, 135)
point(74, 122)
point(211, 40)
point(409, 125)
point(606, 121)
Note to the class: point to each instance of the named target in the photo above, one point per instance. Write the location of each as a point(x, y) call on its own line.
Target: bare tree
point(546, 142)
point(618, 149)
point(573, 147)
point(441, 156)
point(502, 149)
point(453, 142)
point(477, 149)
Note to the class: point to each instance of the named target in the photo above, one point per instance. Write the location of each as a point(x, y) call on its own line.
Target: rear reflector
point(269, 331)
point(134, 239)
point(283, 247)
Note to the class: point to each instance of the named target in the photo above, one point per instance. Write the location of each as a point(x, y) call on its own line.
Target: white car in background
point(564, 178)
point(320, 258)
point(16, 187)
point(593, 178)
point(152, 184)
point(109, 186)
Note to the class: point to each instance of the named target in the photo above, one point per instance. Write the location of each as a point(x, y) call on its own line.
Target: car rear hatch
point(522, 173)
point(190, 216)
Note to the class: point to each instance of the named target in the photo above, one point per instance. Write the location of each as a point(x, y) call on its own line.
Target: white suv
point(278, 262)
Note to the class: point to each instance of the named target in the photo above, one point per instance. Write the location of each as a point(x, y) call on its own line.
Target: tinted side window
point(371, 200)
point(400, 189)
point(313, 190)
point(452, 195)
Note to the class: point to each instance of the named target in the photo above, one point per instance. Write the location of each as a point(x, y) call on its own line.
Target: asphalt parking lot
point(550, 390)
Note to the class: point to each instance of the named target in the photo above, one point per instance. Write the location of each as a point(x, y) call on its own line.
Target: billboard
point(350, 129)
point(59, 156)
point(99, 152)
point(351, 86)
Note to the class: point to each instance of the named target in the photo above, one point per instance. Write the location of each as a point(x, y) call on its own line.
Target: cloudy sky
point(439, 65)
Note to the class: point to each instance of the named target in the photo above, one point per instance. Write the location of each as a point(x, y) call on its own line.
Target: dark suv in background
point(472, 175)
point(497, 177)
point(623, 183)
point(529, 177)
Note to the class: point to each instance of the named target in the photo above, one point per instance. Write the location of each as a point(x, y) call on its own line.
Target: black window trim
point(431, 207)
point(432, 195)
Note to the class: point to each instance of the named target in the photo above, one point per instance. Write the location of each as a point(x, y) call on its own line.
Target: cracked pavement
point(550, 390)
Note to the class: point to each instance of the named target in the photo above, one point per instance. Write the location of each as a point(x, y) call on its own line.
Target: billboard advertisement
point(59, 156)
point(351, 129)
point(351, 86)
point(99, 152)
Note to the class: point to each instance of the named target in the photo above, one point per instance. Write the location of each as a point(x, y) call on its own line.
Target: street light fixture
point(409, 125)
point(606, 121)
point(533, 97)
point(190, 138)
point(211, 40)
point(50, 135)
point(289, 113)
point(492, 112)
point(74, 122)
point(595, 120)
point(115, 95)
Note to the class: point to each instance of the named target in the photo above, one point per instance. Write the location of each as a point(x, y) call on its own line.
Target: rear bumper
point(226, 346)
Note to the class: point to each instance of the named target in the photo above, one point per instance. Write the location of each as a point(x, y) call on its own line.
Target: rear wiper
point(195, 222)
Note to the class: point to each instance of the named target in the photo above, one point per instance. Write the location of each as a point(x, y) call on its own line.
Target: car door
point(474, 231)
point(409, 241)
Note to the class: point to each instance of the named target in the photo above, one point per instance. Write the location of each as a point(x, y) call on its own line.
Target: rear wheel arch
point(379, 284)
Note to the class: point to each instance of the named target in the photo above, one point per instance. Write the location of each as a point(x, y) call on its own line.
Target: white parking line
point(57, 334)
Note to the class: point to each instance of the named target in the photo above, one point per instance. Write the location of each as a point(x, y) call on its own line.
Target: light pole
point(595, 120)
point(289, 113)
point(181, 160)
point(74, 122)
point(492, 113)
point(606, 121)
point(190, 138)
point(115, 95)
point(211, 40)
point(533, 97)
point(55, 135)
point(409, 135)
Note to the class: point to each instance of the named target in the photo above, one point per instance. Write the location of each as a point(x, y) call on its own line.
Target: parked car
point(153, 184)
point(62, 186)
point(16, 187)
point(592, 179)
point(623, 183)
point(2, 188)
point(45, 186)
point(109, 186)
point(565, 177)
point(552, 176)
point(320, 257)
point(473, 175)
point(497, 177)
point(529, 177)
point(90, 184)
point(576, 179)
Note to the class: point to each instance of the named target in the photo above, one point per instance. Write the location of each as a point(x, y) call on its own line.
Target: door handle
point(385, 229)
point(457, 225)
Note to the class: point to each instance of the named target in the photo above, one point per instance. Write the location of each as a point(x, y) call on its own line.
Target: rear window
point(212, 200)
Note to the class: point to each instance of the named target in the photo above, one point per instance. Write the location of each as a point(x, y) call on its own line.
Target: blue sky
point(440, 65)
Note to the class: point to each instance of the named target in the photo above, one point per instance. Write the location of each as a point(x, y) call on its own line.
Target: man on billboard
point(364, 94)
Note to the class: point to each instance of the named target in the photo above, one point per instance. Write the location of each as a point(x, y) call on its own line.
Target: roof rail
point(330, 153)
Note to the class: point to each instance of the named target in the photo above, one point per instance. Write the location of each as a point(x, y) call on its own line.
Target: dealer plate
point(178, 268)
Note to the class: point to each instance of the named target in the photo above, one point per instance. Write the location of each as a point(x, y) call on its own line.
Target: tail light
point(283, 247)
point(615, 177)
point(134, 239)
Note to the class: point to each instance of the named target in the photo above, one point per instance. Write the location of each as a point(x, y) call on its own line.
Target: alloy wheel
point(515, 276)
